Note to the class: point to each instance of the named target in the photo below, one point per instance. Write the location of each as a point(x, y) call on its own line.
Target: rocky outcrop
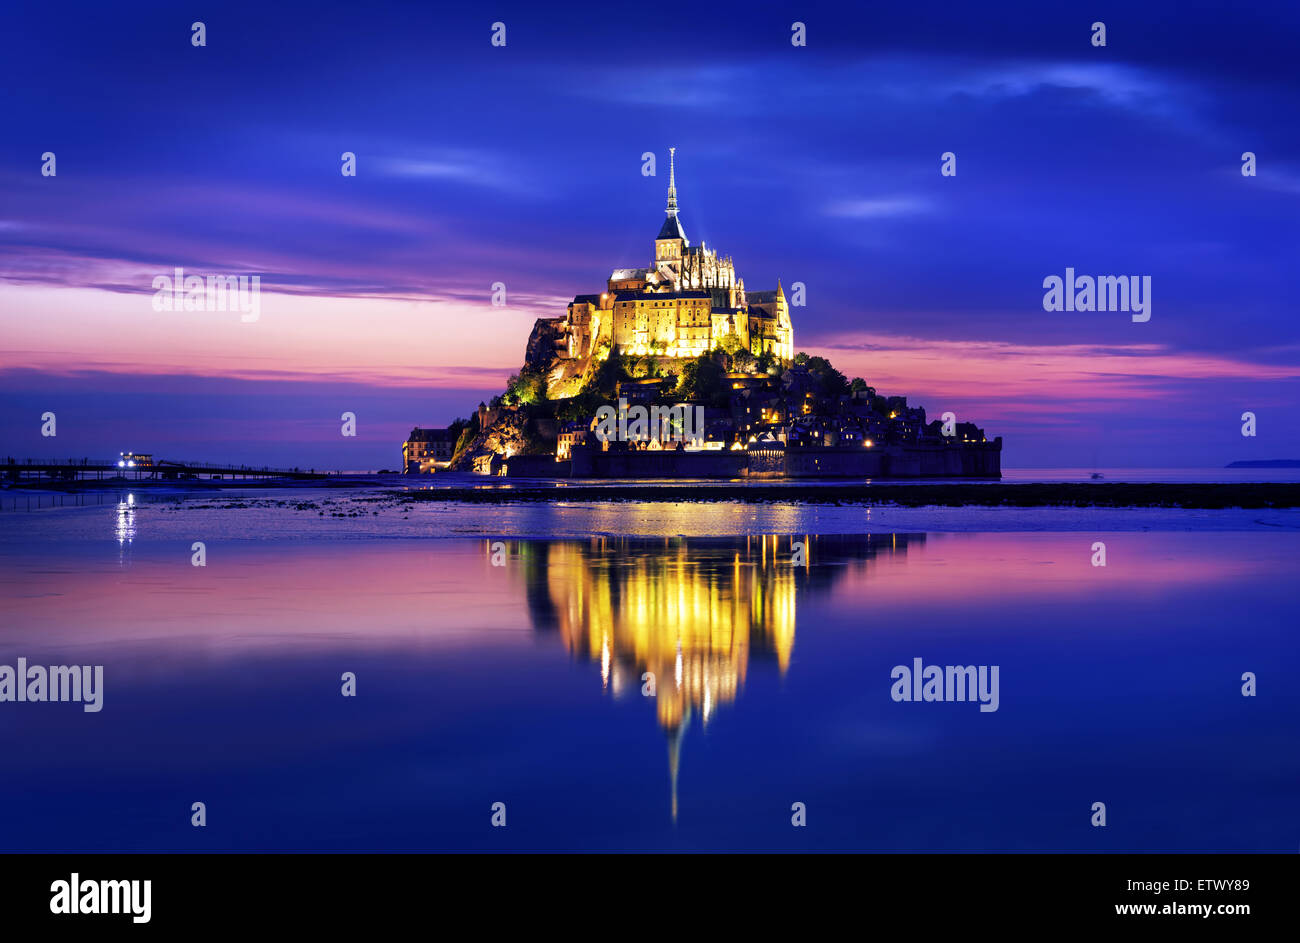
point(546, 340)
point(509, 431)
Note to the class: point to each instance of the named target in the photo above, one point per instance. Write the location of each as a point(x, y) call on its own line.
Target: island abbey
point(675, 370)
point(686, 303)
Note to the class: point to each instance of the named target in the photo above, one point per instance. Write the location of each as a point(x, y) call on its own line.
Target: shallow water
point(522, 683)
point(367, 514)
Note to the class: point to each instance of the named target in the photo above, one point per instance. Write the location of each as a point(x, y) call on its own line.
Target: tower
point(671, 242)
point(784, 348)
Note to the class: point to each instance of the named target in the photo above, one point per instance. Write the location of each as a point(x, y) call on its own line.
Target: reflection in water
point(678, 618)
point(486, 683)
point(124, 527)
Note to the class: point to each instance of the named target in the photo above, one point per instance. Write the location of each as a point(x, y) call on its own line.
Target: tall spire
point(672, 183)
point(671, 230)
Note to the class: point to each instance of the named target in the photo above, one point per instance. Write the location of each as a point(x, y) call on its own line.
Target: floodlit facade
point(686, 302)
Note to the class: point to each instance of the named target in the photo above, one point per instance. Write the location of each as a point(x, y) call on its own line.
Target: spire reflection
point(681, 618)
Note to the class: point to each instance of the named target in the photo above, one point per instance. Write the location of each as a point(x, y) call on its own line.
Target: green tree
point(703, 380)
point(467, 434)
point(456, 428)
point(526, 387)
point(830, 382)
point(608, 374)
point(580, 408)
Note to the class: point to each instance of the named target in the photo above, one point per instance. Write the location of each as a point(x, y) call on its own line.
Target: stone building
point(685, 303)
point(425, 449)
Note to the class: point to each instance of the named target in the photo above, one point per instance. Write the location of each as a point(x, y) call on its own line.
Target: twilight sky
point(522, 165)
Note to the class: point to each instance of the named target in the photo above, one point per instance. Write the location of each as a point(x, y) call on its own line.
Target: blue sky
point(522, 165)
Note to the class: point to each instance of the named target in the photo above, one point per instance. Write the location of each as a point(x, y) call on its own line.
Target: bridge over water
point(81, 469)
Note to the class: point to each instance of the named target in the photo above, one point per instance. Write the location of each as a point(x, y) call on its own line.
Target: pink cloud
point(384, 341)
point(999, 379)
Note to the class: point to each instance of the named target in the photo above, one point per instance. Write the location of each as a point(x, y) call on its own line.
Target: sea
point(351, 670)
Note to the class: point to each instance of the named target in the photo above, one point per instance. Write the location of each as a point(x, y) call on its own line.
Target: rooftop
point(429, 435)
point(671, 229)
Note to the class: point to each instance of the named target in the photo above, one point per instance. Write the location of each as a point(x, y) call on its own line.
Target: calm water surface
point(522, 683)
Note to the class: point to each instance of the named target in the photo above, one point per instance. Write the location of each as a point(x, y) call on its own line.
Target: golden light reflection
point(683, 618)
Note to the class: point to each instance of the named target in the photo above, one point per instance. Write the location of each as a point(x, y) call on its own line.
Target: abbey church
point(684, 304)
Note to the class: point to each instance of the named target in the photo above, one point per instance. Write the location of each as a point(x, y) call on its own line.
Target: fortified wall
point(979, 460)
